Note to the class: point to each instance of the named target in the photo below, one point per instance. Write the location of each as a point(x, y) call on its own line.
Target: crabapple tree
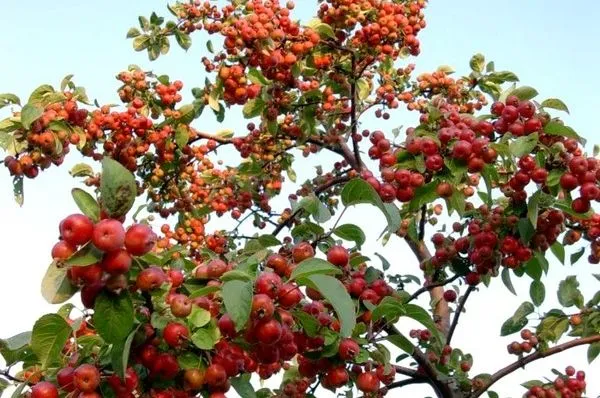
point(184, 309)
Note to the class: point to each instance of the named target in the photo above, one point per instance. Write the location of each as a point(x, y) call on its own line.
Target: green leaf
point(7, 99)
point(385, 264)
point(552, 327)
point(523, 145)
point(420, 315)
point(113, 316)
point(133, 32)
point(359, 191)
point(336, 294)
point(569, 293)
point(351, 232)
point(56, 287)
point(17, 341)
point(199, 317)
point(183, 39)
point(507, 281)
point(48, 338)
point(242, 386)
point(256, 77)
point(313, 206)
point(189, 360)
point(477, 63)
point(559, 251)
point(87, 255)
point(555, 103)
point(237, 297)
point(117, 188)
point(209, 47)
point(205, 291)
point(86, 203)
point(38, 95)
point(253, 108)
point(314, 266)
point(206, 338)
point(29, 114)
point(363, 88)
point(141, 42)
point(593, 351)
point(559, 129)
point(400, 341)
point(82, 170)
point(518, 320)
point(308, 322)
point(532, 383)
point(182, 136)
point(537, 292)
point(188, 113)
point(577, 255)
point(120, 354)
point(324, 30)
point(524, 93)
point(18, 193)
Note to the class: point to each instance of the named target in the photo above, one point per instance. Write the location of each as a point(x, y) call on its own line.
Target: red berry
point(348, 349)
point(76, 229)
point(139, 239)
point(338, 255)
point(108, 235)
point(86, 378)
point(367, 382)
point(44, 389)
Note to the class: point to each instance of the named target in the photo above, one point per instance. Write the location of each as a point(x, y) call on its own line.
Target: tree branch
point(318, 190)
point(441, 310)
point(6, 374)
point(521, 362)
point(403, 383)
point(459, 310)
point(432, 286)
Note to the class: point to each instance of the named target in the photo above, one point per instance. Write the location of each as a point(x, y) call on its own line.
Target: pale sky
point(550, 44)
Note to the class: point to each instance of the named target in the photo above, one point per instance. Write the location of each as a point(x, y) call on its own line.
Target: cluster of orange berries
point(235, 84)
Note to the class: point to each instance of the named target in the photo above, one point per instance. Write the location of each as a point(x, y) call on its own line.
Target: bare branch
point(459, 310)
point(521, 362)
point(441, 310)
point(318, 190)
point(432, 286)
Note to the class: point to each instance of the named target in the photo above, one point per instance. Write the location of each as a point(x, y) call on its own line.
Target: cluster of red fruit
point(118, 247)
point(531, 342)
point(83, 382)
point(572, 385)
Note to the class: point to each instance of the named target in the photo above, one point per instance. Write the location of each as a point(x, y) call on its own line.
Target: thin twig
point(521, 362)
point(318, 190)
point(459, 309)
point(432, 286)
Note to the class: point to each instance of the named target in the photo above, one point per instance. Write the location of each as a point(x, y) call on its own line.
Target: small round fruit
point(117, 262)
point(76, 229)
point(44, 389)
point(139, 239)
point(338, 255)
point(86, 378)
point(62, 250)
point(150, 278)
point(450, 296)
point(215, 375)
point(367, 382)
point(64, 378)
point(181, 305)
point(348, 349)
point(268, 332)
point(108, 235)
point(302, 251)
point(175, 334)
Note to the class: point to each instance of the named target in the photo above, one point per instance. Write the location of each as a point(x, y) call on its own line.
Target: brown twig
point(318, 190)
point(432, 286)
point(459, 310)
point(521, 362)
